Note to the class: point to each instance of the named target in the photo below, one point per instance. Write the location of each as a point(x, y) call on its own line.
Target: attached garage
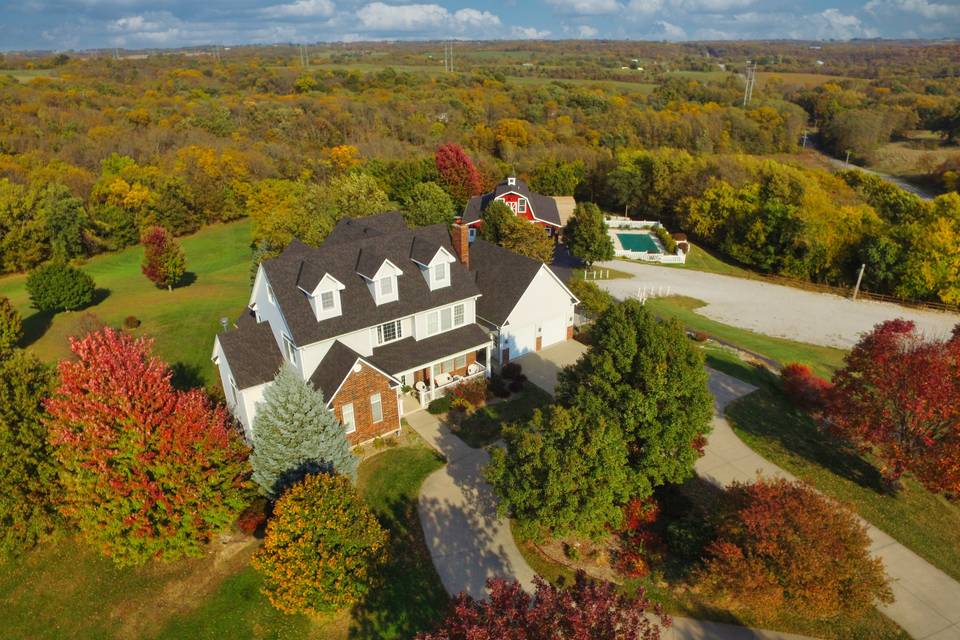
point(552, 331)
point(518, 341)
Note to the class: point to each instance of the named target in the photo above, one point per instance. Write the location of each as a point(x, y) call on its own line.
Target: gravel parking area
point(774, 310)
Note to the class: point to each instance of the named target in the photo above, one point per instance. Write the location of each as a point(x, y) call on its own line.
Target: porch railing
point(430, 394)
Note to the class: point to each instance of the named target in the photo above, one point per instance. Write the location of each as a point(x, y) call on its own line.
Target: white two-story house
point(377, 309)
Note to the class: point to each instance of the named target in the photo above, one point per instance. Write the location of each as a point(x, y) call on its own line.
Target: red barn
point(538, 209)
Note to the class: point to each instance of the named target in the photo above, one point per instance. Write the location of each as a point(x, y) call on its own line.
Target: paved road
point(920, 192)
point(774, 310)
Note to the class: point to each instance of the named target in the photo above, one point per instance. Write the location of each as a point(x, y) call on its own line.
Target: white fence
point(679, 258)
point(619, 222)
point(645, 293)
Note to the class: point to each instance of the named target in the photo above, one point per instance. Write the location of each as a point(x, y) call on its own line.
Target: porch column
point(489, 363)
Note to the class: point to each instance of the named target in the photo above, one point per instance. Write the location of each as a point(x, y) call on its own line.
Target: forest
point(99, 146)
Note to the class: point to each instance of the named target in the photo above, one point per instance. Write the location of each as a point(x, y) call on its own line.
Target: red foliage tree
point(804, 388)
point(899, 397)
point(639, 542)
point(457, 173)
point(782, 547)
point(163, 260)
point(147, 471)
point(587, 610)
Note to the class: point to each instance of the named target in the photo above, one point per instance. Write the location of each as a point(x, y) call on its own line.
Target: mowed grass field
point(183, 321)
point(66, 590)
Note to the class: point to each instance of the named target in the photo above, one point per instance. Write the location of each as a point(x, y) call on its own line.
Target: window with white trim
point(447, 366)
point(458, 314)
point(433, 322)
point(376, 407)
point(327, 301)
point(460, 361)
point(290, 350)
point(386, 286)
point(440, 272)
point(522, 205)
point(349, 422)
point(389, 332)
point(446, 319)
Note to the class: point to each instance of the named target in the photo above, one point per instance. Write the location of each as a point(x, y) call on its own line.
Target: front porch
point(435, 379)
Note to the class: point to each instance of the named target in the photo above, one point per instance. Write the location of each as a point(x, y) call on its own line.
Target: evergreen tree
point(296, 434)
point(586, 234)
point(11, 327)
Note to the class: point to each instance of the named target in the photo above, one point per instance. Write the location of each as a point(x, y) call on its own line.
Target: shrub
point(639, 543)
point(518, 383)
point(474, 391)
point(594, 301)
point(254, 517)
point(701, 336)
point(148, 471)
point(60, 287)
point(687, 537)
point(805, 389)
point(439, 405)
point(131, 322)
point(320, 547)
point(585, 610)
point(782, 547)
point(11, 327)
point(666, 239)
point(511, 370)
point(498, 386)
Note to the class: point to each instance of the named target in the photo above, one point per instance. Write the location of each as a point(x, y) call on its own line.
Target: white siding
point(270, 311)
point(243, 404)
point(544, 309)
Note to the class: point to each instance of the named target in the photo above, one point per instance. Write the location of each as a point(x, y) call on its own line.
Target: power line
point(751, 73)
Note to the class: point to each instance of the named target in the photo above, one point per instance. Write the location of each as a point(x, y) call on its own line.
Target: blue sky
point(64, 24)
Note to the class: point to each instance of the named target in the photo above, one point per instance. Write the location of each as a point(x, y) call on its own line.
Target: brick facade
point(357, 388)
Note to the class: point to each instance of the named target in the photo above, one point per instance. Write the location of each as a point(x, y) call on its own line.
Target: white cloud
point(586, 7)
point(528, 33)
point(378, 16)
point(586, 31)
point(923, 8)
point(715, 5)
point(645, 7)
point(300, 9)
point(834, 24)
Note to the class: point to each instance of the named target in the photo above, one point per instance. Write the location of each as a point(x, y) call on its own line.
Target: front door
point(539, 342)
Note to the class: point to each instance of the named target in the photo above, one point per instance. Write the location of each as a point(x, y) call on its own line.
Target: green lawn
point(66, 590)
point(926, 523)
point(483, 427)
point(183, 321)
point(700, 259)
point(823, 360)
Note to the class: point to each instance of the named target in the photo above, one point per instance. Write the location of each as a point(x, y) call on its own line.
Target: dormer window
point(434, 263)
point(381, 276)
point(323, 291)
point(440, 272)
point(327, 302)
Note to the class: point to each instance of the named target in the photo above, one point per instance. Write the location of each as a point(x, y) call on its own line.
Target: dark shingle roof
point(408, 353)
point(252, 352)
point(383, 237)
point(423, 250)
point(333, 369)
point(544, 207)
point(503, 276)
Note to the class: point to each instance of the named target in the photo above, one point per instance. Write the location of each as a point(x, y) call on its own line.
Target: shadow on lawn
point(408, 596)
point(767, 414)
point(36, 325)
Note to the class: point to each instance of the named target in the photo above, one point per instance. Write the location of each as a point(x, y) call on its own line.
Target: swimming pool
point(641, 242)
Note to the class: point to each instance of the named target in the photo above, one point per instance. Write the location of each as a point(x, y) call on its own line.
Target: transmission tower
point(304, 57)
point(751, 77)
point(448, 56)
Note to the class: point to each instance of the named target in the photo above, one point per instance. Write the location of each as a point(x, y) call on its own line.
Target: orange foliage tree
point(321, 547)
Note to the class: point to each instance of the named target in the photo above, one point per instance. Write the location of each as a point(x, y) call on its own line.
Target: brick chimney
point(460, 236)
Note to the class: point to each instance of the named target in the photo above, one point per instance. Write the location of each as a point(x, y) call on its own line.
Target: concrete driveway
point(542, 367)
point(774, 310)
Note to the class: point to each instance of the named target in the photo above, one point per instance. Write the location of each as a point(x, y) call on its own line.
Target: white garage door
point(521, 340)
point(554, 331)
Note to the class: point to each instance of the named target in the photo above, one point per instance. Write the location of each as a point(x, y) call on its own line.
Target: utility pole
point(856, 289)
point(804, 138)
point(751, 79)
point(848, 157)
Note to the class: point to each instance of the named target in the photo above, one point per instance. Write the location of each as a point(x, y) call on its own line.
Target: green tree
point(60, 287)
point(354, 195)
point(29, 487)
point(428, 204)
point(650, 380)
point(565, 471)
point(66, 222)
point(557, 178)
point(496, 217)
point(296, 434)
point(11, 328)
point(586, 234)
point(527, 239)
point(321, 546)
